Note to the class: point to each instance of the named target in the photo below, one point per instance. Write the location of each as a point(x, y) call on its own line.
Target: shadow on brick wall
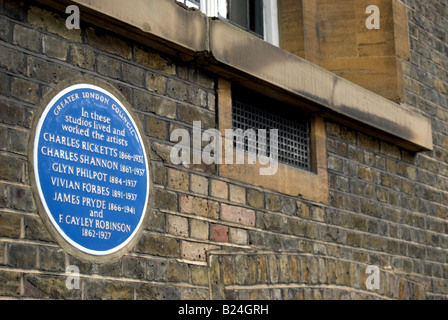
point(274, 275)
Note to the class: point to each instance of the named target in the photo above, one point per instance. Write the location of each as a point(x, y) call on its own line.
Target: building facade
point(340, 192)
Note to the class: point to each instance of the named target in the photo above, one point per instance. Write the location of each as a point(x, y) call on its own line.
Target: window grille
point(253, 111)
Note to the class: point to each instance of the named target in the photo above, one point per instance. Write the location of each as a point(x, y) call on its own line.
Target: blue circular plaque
point(91, 169)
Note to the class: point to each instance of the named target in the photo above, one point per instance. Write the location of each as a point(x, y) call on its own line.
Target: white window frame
point(188, 3)
point(270, 17)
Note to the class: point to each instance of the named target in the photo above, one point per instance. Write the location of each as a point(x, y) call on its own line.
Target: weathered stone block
point(284, 268)
point(157, 292)
point(25, 90)
point(156, 269)
point(177, 272)
point(48, 287)
point(35, 229)
point(154, 60)
point(9, 225)
point(19, 141)
point(14, 114)
point(82, 57)
point(177, 90)
point(199, 184)
point(108, 67)
point(195, 251)
point(51, 259)
point(47, 71)
point(237, 194)
point(238, 214)
point(10, 283)
point(55, 48)
point(27, 38)
point(288, 205)
point(12, 60)
point(199, 229)
point(133, 74)
point(373, 242)
point(211, 102)
point(199, 206)
point(269, 221)
point(158, 245)
point(156, 221)
point(108, 43)
point(53, 23)
point(272, 202)
point(318, 213)
point(164, 199)
point(197, 96)
point(219, 189)
point(199, 275)
point(97, 289)
point(155, 82)
point(238, 236)
point(188, 114)
point(22, 256)
point(4, 87)
point(5, 30)
point(241, 277)
point(178, 180)
point(177, 225)
point(11, 169)
point(255, 198)
point(147, 102)
point(110, 269)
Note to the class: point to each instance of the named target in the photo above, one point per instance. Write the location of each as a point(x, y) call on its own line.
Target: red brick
point(220, 233)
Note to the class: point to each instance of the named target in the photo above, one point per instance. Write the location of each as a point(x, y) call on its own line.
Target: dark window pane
point(247, 14)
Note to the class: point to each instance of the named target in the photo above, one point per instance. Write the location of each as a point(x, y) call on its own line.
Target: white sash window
point(259, 17)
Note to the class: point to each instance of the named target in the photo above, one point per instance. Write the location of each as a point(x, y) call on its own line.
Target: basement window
point(301, 147)
point(254, 111)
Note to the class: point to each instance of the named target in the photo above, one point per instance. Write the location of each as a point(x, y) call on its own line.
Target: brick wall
point(388, 207)
point(38, 52)
point(426, 85)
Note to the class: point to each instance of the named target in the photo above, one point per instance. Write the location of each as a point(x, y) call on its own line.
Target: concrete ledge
point(161, 19)
point(236, 54)
point(405, 128)
point(336, 96)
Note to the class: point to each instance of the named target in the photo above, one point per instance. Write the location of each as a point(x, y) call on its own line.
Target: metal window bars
point(252, 111)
